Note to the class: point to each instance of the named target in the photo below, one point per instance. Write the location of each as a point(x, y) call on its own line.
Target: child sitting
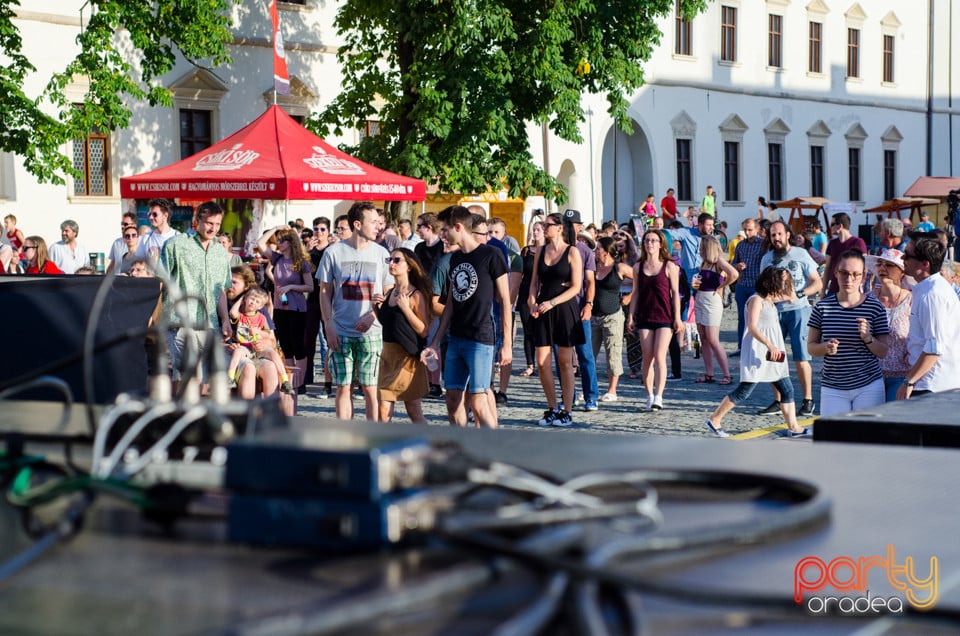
point(250, 325)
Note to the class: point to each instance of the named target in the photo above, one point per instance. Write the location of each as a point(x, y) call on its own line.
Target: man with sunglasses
point(933, 343)
point(151, 245)
point(314, 327)
point(121, 245)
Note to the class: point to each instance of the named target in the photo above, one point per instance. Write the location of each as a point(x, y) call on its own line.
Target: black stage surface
point(121, 576)
point(929, 420)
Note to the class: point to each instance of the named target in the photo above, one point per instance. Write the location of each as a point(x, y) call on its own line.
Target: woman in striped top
point(849, 330)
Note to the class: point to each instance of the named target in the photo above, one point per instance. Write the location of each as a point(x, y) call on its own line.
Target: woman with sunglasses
point(128, 254)
point(849, 330)
point(405, 316)
point(897, 301)
point(655, 312)
point(529, 256)
point(37, 257)
point(292, 280)
point(557, 279)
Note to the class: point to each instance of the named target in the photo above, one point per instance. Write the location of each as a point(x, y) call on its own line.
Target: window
point(775, 169)
point(775, 41)
point(816, 171)
point(731, 170)
point(888, 59)
point(815, 63)
point(684, 176)
point(728, 35)
point(90, 157)
point(195, 131)
point(853, 173)
point(889, 174)
point(371, 128)
point(853, 55)
point(684, 35)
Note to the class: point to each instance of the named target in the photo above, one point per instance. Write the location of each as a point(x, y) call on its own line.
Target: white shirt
point(151, 244)
point(69, 261)
point(411, 242)
point(934, 329)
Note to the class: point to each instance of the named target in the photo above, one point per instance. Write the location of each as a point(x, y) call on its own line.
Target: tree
point(456, 83)
point(124, 46)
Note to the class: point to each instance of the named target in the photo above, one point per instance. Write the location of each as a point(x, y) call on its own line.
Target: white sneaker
point(609, 397)
point(649, 406)
point(548, 417)
point(562, 419)
point(657, 403)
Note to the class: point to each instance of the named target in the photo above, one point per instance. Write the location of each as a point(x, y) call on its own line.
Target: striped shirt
point(852, 366)
point(749, 251)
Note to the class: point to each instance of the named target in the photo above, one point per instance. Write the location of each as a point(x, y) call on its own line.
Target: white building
point(775, 98)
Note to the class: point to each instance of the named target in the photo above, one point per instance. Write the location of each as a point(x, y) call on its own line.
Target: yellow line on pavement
point(767, 430)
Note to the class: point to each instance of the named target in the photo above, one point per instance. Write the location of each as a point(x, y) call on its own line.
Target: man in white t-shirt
point(351, 273)
point(151, 244)
point(68, 254)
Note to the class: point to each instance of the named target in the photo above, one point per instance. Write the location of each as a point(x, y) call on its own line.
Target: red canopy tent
point(273, 157)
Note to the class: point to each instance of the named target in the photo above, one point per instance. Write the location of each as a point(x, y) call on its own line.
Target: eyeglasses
point(321, 229)
point(651, 240)
point(283, 240)
point(29, 247)
point(340, 230)
point(394, 259)
point(481, 233)
point(852, 275)
point(133, 235)
point(551, 224)
point(153, 214)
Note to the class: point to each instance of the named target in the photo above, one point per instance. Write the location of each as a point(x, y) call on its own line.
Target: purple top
point(710, 280)
point(283, 274)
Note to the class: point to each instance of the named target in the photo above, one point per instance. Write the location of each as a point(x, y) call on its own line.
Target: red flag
point(281, 78)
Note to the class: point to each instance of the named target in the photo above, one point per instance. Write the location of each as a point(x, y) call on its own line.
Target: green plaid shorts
point(360, 352)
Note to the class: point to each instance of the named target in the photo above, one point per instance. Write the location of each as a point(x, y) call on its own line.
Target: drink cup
point(429, 358)
point(695, 283)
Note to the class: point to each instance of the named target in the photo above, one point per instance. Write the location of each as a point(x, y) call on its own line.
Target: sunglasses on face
point(396, 260)
point(29, 247)
point(131, 236)
point(551, 224)
point(320, 229)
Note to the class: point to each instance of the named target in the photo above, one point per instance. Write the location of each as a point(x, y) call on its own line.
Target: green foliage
point(459, 83)
point(124, 46)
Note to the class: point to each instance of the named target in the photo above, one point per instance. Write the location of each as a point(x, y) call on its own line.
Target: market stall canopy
point(933, 187)
point(893, 206)
point(273, 157)
point(796, 206)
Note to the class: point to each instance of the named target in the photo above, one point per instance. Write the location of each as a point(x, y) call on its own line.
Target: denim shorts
point(468, 365)
point(795, 324)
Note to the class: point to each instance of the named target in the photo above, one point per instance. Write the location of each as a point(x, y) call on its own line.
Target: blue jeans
point(743, 294)
point(587, 363)
point(468, 364)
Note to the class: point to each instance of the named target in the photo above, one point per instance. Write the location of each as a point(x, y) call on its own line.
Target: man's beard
point(781, 251)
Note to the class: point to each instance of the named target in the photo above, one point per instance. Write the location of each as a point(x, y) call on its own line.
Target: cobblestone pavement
point(686, 403)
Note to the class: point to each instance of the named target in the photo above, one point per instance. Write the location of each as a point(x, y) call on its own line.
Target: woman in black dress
point(557, 279)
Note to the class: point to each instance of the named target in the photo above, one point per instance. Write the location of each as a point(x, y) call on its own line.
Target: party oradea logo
point(850, 578)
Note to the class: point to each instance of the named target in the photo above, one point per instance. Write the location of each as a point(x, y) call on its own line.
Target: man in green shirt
point(708, 204)
point(199, 267)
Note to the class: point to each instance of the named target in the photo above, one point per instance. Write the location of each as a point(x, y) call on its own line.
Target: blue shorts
point(795, 324)
point(467, 365)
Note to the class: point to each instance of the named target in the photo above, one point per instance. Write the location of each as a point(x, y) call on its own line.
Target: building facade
point(772, 98)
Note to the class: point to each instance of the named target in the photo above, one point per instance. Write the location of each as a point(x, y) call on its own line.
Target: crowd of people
point(429, 309)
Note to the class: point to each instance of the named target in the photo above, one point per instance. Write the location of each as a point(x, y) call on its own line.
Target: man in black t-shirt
point(314, 325)
point(478, 274)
